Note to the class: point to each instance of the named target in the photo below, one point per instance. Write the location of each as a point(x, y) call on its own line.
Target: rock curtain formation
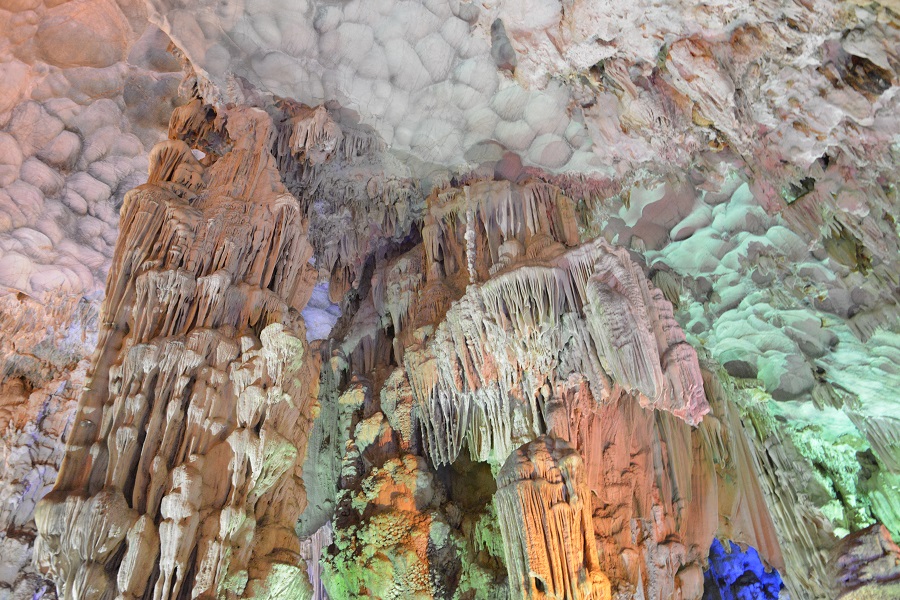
point(545, 519)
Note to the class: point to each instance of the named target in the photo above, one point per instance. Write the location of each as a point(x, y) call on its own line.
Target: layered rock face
point(867, 565)
point(449, 300)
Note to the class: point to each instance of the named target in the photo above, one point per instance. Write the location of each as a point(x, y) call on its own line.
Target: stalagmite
point(449, 299)
point(201, 369)
point(543, 503)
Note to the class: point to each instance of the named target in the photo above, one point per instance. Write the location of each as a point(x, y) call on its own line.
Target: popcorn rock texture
point(448, 299)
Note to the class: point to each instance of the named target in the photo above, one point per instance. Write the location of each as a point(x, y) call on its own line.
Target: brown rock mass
point(202, 369)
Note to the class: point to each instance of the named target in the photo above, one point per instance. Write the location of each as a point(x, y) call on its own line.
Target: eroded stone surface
point(543, 504)
point(202, 370)
point(867, 565)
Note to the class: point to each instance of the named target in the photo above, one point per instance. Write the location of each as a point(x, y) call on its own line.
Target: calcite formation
point(489, 357)
point(737, 571)
point(485, 369)
point(867, 565)
point(201, 370)
point(449, 299)
point(545, 517)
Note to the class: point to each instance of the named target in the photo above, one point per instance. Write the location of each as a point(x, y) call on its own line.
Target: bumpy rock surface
point(183, 466)
point(867, 564)
point(87, 89)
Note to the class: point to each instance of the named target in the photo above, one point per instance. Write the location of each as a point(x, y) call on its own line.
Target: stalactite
point(639, 266)
point(314, 135)
point(485, 359)
point(312, 550)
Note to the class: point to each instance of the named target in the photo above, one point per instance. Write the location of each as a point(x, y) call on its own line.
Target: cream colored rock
point(12, 159)
point(83, 33)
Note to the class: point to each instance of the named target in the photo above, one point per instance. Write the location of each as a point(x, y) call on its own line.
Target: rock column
point(182, 471)
point(543, 504)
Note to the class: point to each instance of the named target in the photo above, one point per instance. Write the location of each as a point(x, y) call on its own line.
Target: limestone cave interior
point(449, 299)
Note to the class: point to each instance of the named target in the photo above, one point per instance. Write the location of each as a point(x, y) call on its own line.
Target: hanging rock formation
point(484, 369)
point(489, 356)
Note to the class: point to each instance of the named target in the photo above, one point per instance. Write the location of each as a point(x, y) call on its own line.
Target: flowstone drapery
point(552, 338)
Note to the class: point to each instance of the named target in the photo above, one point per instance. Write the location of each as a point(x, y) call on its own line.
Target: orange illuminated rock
point(543, 503)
